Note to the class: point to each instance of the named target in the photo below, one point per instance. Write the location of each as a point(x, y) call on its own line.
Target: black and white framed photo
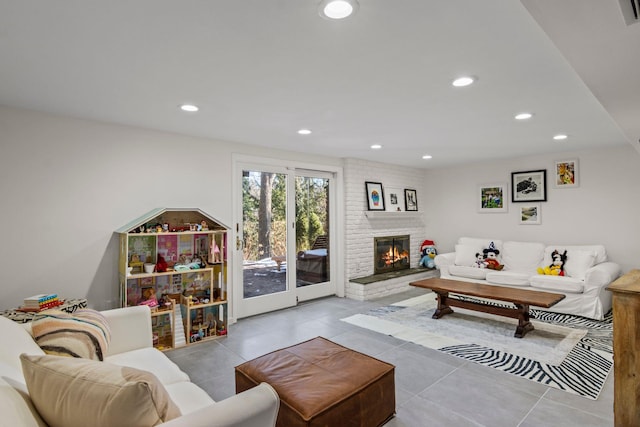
point(375, 196)
point(492, 198)
point(530, 214)
point(529, 186)
point(394, 199)
point(411, 199)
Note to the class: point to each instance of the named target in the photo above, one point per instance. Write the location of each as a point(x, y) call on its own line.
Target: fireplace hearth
point(391, 253)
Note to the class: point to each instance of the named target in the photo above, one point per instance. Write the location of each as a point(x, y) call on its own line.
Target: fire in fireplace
point(390, 253)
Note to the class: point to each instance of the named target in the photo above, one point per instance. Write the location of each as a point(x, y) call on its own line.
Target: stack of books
point(41, 302)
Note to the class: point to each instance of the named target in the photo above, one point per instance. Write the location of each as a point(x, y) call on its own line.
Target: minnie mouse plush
point(556, 268)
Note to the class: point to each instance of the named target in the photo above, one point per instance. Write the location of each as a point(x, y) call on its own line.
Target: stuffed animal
point(428, 252)
point(556, 268)
point(480, 262)
point(491, 257)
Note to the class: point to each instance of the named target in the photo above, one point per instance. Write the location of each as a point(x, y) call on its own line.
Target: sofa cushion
point(568, 285)
point(15, 405)
point(152, 360)
point(73, 392)
point(599, 252)
point(480, 243)
point(509, 278)
point(466, 255)
point(522, 256)
point(85, 333)
point(15, 340)
point(188, 396)
point(468, 272)
point(579, 263)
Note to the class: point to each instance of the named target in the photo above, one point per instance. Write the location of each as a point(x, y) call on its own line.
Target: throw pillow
point(79, 392)
point(578, 262)
point(466, 255)
point(84, 334)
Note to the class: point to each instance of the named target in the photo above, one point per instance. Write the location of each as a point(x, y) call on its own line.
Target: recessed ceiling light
point(523, 116)
point(427, 157)
point(560, 137)
point(304, 131)
point(337, 9)
point(376, 146)
point(463, 81)
point(190, 108)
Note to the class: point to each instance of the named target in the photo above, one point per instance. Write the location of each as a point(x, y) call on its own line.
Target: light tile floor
point(432, 388)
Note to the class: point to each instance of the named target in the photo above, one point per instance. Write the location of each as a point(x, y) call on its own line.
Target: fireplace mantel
point(391, 214)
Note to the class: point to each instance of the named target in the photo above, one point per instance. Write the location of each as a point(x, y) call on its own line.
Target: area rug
point(566, 352)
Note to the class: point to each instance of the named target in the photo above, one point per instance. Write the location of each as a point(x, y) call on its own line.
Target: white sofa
point(131, 346)
point(587, 272)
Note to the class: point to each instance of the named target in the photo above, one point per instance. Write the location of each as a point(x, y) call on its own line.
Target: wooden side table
point(626, 349)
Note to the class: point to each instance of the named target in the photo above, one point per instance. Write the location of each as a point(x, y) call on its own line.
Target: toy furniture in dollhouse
point(163, 325)
point(188, 249)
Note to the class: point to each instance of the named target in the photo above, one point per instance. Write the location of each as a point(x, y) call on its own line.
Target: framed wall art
point(411, 200)
point(566, 174)
point(530, 213)
point(394, 200)
point(375, 196)
point(529, 186)
point(492, 198)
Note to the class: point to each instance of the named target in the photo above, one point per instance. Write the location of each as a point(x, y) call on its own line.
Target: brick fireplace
point(361, 226)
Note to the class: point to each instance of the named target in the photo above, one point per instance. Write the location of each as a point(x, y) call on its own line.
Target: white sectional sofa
point(130, 346)
point(587, 272)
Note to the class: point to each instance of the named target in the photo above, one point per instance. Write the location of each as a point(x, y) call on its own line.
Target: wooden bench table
point(521, 298)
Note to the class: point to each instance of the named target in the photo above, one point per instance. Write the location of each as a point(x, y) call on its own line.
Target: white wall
point(603, 209)
point(67, 184)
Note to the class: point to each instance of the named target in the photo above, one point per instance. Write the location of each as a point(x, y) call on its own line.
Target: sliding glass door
point(283, 238)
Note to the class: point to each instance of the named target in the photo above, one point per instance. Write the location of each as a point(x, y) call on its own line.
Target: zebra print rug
point(567, 352)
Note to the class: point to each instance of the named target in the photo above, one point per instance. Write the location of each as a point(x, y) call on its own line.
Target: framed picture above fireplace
point(411, 199)
point(375, 196)
point(393, 200)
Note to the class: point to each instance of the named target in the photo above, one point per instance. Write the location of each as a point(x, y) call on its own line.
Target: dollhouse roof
point(176, 217)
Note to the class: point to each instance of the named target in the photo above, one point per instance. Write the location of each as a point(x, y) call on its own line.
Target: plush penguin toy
point(428, 252)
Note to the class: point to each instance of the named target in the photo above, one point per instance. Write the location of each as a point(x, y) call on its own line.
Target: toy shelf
point(173, 256)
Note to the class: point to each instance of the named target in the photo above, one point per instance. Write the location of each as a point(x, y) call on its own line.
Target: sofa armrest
point(445, 259)
point(601, 275)
point(130, 329)
point(256, 407)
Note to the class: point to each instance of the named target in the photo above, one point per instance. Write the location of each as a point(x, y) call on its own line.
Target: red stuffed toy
point(161, 265)
point(491, 257)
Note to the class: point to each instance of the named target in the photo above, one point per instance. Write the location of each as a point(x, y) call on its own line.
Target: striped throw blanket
point(83, 334)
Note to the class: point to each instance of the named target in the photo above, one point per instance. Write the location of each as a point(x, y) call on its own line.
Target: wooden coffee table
point(521, 298)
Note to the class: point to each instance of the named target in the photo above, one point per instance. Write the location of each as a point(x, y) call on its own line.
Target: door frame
point(323, 289)
point(239, 307)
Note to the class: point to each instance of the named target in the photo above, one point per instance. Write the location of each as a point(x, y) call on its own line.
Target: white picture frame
point(529, 213)
point(394, 199)
point(566, 174)
point(492, 198)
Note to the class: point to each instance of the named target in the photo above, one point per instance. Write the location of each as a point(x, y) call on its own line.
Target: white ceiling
point(262, 69)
